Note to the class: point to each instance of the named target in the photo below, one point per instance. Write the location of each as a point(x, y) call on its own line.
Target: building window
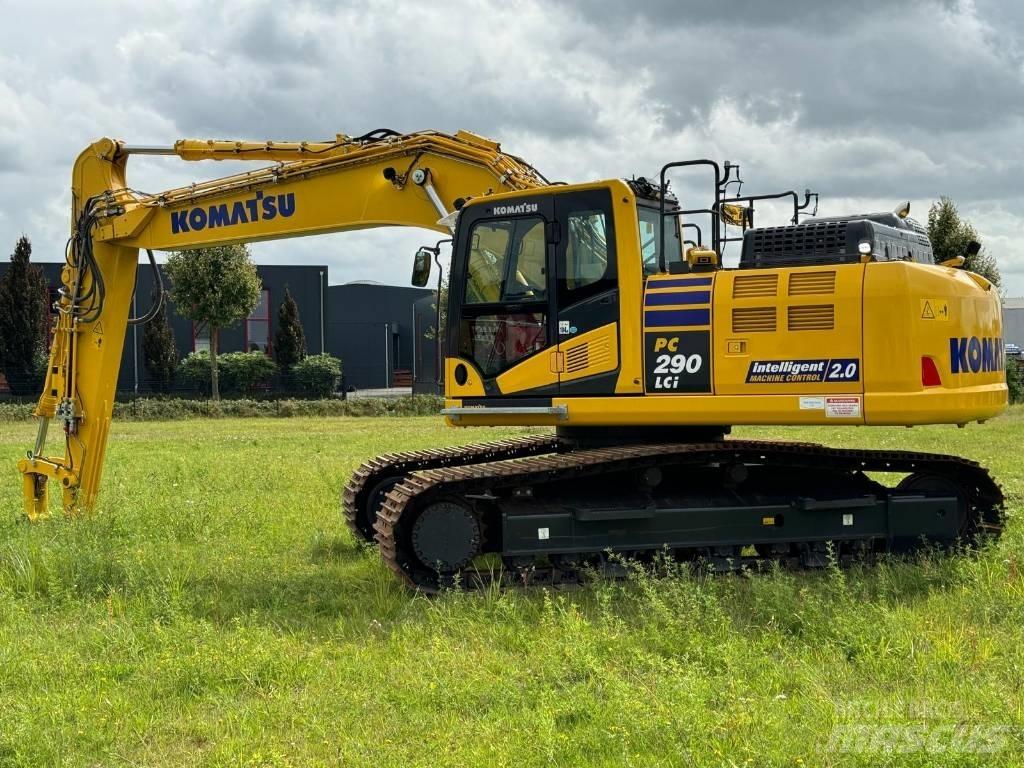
point(200, 338)
point(257, 326)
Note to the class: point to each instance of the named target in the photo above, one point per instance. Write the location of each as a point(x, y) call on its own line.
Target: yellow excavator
point(586, 308)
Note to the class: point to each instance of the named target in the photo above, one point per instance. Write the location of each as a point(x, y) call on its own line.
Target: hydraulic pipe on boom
point(380, 179)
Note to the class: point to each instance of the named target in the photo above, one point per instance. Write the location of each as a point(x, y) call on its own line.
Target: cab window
point(586, 255)
point(507, 261)
point(586, 247)
point(650, 241)
point(505, 313)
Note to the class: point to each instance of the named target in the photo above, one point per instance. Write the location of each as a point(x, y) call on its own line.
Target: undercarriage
point(553, 508)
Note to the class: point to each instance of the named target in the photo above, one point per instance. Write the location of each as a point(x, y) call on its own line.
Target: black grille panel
point(834, 241)
point(803, 244)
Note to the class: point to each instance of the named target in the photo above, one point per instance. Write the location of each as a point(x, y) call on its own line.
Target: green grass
point(215, 612)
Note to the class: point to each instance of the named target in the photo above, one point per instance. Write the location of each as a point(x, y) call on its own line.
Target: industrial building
point(370, 326)
point(1013, 321)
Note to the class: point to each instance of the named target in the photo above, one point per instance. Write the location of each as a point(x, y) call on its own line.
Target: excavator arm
point(380, 179)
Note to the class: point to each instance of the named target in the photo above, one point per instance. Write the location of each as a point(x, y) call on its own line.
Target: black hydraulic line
point(85, 264)
point(377, 134)
point(158, 304)
point(807, 201)
point(727, 179)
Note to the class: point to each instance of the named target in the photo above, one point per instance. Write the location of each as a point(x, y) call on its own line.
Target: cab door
point(503, 294)
point(586, 293)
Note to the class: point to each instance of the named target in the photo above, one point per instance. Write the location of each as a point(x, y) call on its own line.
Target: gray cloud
point(867, 102)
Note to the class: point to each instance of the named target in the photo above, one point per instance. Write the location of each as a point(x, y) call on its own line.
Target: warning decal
point(934, 309)
point(842, 407)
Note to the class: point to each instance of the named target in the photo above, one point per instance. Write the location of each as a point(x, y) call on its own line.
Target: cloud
point(866, 102)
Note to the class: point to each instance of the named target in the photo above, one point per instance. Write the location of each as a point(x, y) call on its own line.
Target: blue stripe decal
point(689, 297)
point(667, 318)
point(688, 283)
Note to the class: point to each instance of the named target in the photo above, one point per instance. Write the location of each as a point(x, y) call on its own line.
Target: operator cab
point(528, 273)
point(534, 295)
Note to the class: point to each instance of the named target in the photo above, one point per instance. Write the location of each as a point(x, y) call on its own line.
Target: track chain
point(372, 472)
point(421, 486)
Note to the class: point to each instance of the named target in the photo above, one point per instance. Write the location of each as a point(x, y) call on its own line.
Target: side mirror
point(421, 267)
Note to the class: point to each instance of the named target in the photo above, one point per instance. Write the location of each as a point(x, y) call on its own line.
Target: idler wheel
point(446, 537)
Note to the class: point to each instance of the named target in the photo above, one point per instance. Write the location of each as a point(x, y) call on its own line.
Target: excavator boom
point(380, 179)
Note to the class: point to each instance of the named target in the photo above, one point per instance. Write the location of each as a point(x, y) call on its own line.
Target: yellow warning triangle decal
point(926, 313)
point(98, 328)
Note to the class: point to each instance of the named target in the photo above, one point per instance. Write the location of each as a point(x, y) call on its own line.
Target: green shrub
point(16, 411)
point(243, 373)
point(318, 375)
point(1015, 378)
point(194, 371)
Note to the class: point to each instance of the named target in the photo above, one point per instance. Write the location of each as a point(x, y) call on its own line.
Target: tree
point(24, 296)
point(159, 350)
point(289, 339)
point(950, 236)
point(214, 287)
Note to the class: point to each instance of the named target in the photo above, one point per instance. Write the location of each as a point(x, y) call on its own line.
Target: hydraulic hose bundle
point(88, 293)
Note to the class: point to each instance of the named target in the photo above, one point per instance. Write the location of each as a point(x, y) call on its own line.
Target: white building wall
point(1013, 321)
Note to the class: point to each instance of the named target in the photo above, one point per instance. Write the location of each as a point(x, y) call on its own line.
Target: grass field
point(216, 612)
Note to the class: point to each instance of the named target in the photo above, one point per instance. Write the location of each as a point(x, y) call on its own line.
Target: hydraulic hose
point(159, 281)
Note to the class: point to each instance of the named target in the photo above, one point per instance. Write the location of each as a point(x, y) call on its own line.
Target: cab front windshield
point(650, 242)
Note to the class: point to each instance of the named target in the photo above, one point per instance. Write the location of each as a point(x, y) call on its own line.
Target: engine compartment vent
point(577, 358)
point(595, 355)
point(815, 317)
point(811, 283)
point(753, 320)
point(750, 286)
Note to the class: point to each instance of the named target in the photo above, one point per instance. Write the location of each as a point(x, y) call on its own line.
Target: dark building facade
point(307, 284)
point(426, 379)
point(382, 340)
point(372, 328)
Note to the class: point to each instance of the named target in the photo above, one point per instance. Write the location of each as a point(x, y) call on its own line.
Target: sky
point(868, 103)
